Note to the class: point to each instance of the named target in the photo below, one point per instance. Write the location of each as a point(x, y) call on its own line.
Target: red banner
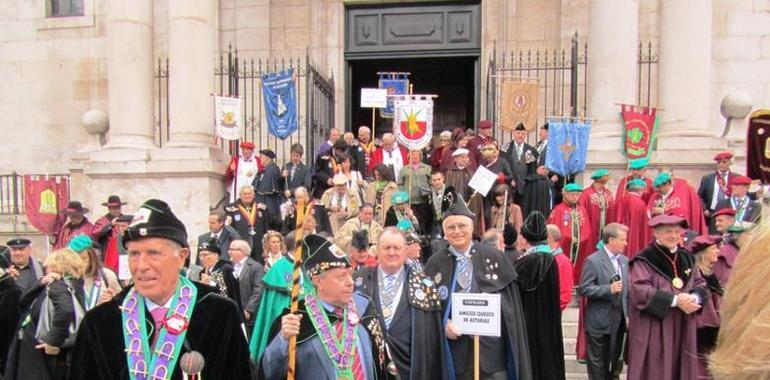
point(44, 197)
point(758, 146)
point(640, 125)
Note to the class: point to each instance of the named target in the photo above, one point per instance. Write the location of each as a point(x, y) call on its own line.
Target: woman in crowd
point(380, 192)
point(356, 181)
point(51, 313)
point(511, 210)
point(100, 283)
point(706, 249)
point(274, 248)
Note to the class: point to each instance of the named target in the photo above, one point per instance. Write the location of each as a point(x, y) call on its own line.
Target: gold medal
point(386, 312)
point(677, 282)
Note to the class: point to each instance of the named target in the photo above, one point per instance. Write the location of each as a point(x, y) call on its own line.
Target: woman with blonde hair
point(743, 346)
point(100, 283)
point(274, 248)
point(51, 314)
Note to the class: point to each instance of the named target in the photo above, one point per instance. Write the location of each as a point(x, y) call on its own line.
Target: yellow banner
point(519, 105)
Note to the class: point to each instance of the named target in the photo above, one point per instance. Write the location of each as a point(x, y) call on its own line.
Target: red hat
point(485, 124)
point(722, 155)
point(665, 220)
point(740, 180)
point(702, 242)
point(725, 211)
point(247, 145)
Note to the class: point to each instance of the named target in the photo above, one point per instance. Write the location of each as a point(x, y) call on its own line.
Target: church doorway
point(453, 79)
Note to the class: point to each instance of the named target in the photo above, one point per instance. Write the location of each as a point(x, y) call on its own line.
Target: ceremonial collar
point(540, 248)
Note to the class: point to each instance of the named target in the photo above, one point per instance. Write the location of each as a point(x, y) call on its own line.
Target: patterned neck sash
point(92, 297)
point(165, 353)
point(250, 214)
point(340, 350)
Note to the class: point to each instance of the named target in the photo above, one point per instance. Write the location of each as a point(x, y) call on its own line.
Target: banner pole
point(374, 134)
point(476, 357)
point(301, 212)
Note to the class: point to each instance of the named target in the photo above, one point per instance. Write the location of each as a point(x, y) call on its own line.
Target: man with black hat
point(24, 268)
point(162, 324)
point(103, 226)
point(76, 224)
point(539, 287)
point(463, 266)
point(268, 185)
point(522, 158)
point(339, 332)
point(410, 309)
point(665, 290)
point(327, 164)
point(217, 272)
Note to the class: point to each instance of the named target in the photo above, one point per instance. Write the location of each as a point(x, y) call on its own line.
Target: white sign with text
point(374, 98)
point(476, 313)
point(483, 180)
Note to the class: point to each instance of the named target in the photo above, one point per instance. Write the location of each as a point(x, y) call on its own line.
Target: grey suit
point(226, 236)
point(605, 313)
point(250, 284)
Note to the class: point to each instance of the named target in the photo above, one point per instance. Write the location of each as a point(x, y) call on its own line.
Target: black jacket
point(226, 236)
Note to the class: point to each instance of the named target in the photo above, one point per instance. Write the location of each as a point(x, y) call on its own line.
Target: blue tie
point(464, 272)
point(390, 281)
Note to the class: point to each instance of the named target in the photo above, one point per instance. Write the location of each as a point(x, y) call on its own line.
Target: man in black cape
point(465, 266)
point(269, 185)
point(542, 189)
point(522, 158)
point(539, 287)
point(411, 316)
point(156, 242)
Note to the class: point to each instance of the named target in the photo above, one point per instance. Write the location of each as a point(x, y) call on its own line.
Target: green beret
point(570, 187)
point(80, 243)
point(661, 179)
point(639, 163)
point(399, 197)
point(600, 173)
point(405, 225)
point(638, 183)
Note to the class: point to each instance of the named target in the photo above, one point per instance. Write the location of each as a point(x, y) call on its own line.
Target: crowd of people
point(386, 236)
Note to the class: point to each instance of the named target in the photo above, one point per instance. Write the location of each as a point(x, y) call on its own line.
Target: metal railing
point(11, 194)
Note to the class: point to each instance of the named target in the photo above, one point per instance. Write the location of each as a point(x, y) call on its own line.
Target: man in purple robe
point(665, 290)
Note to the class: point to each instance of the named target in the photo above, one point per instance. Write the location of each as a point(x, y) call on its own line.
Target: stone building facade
point(97, 66)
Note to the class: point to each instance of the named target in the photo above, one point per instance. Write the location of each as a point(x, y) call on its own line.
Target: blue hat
point(637, 183)
point(661, 179)
point(18, 243)
point(639, 163)
point(570, 187)
point(600, 173)
point(405, 225)
point(399, 197)
point(80, 243)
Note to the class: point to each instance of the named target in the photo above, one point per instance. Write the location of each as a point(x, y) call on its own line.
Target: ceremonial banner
point(758, 146)
point(567, 146)
point(395, 84)
point(413, 121)
point(280, 93)
point(228, 111)
point(44, 196)
point(519, 105)
point(640, 125)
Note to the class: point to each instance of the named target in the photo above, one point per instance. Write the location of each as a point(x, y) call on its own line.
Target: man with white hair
point(365, 145)
point(163, 320)
point(249, 273)
point(334, 135)
point(390, 154)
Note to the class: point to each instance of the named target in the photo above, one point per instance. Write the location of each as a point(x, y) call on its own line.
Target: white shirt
point(152, 305)
point(614, 260)
point(399, 287)
point(238, 267)
point(393, 158)
point(717, 190)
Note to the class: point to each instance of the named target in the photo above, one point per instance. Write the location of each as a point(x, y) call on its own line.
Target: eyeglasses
point(457, 227)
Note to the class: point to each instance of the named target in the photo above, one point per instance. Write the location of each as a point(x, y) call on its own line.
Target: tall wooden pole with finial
point(302, 211)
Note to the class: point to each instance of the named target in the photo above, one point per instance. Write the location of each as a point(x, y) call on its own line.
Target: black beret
point(520, 127)
point(268, 152)
point(534, 228)
point(360, 240)
point(18, 243)
point(320, 255)
point(155, 219)
point(210, 245)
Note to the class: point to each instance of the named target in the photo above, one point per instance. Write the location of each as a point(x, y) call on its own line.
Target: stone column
point(191, 51)
point(685, 68)
point(129, 59)
point(613, 37)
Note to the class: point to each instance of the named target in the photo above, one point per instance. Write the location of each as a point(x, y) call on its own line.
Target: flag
point(396, 84)
point(44, 196)
point(228, 111)
point(758, 146)
point(280, 94)
point(640, 125)
point(413, 121)
point(567, 146)
point(519, 105)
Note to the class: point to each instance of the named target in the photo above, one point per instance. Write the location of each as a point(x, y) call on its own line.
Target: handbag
point(46, 317)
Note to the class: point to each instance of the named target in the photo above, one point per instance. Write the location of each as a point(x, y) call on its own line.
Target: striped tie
point(358, 368)
point(463, 272)
point(390, 281)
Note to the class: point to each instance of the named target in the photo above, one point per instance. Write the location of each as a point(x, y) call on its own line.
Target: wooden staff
point(476, 357)
point(374, 134)
point(301, 211)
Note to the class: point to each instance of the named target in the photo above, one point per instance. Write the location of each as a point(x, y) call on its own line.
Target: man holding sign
point(467, 267)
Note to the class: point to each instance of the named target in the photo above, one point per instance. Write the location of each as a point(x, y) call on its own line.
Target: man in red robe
point(103, 226)
point(76, 224)
point(677, 197)
point(477, 143)
point(631, 210)
point(242, 170)
point(638, 168)
point(572, 220)
point(598, 201)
